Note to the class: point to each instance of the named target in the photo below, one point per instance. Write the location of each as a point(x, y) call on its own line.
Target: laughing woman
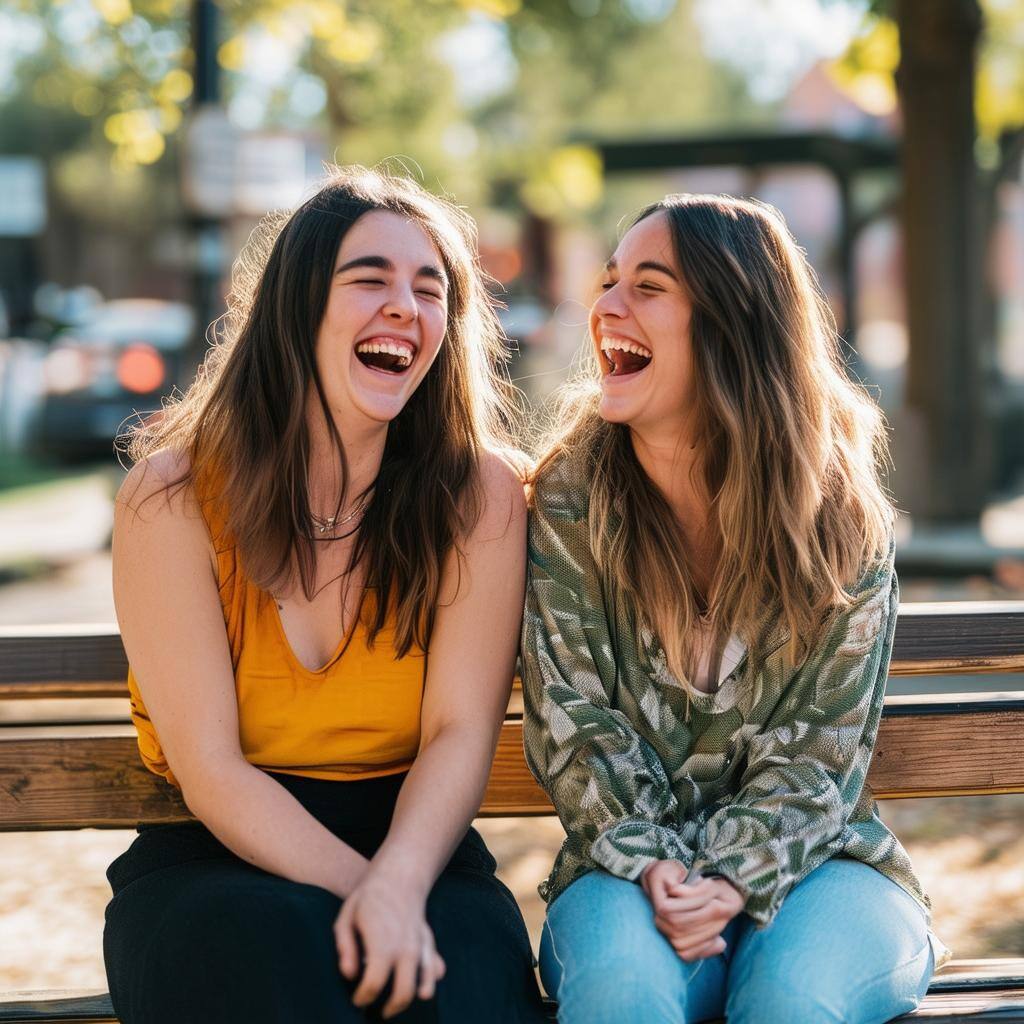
point(320, 512)
point(709, 622)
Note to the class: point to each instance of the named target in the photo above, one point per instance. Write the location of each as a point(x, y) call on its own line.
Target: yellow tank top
point(357, 717)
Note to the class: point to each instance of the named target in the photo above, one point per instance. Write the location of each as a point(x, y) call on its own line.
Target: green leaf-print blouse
point(761, 784)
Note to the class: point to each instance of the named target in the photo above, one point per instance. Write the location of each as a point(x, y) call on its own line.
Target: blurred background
point(142, 140)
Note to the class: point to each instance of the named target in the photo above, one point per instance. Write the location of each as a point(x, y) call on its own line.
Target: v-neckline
point(339, 650)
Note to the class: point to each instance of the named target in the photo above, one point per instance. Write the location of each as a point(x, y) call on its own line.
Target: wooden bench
point(78, 773)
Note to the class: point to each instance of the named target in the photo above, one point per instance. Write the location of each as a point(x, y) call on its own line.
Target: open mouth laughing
point(386, 354)
point(621, 357)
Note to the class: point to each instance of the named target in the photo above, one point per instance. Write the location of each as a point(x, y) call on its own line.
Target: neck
point(671, 460)
point(364, 448)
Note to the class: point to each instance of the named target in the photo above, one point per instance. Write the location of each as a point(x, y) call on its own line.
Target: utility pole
point(946, 387)
point(208, 174)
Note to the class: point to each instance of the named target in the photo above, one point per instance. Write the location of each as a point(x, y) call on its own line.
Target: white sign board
point(22, 196)
point(271, 173)
point(208, 175)
point(229, 172)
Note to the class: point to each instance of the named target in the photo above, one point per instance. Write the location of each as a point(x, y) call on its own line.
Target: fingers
point(714, 947)
point(692, 943)
point(659, 876)
point(687, 920)
point(403, 983)
point(347, 943)
point(432, 968)
point(375, 976)
point(701, 891)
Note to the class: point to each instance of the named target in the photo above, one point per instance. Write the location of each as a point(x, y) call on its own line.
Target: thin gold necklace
point(323, 524)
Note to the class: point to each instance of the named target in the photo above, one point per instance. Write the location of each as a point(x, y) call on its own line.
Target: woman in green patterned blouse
point(708, 629)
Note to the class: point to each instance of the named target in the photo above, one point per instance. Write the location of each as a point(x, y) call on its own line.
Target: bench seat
point(964, 990)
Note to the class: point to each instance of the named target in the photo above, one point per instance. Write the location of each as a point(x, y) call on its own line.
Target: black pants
point(195, 935)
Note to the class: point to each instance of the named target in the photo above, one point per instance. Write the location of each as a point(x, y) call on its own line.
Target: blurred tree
point(957, 69)
point(105, 85)
point(868, 69)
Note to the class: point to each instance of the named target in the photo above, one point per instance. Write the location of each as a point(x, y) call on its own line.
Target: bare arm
point(168, 608)
point(469, 679)
point(469, 675)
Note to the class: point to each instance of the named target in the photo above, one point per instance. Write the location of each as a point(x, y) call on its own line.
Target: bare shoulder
point(502, 492)
point(158, 485)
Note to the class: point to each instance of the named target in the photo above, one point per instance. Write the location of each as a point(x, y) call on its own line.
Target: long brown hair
point(789, 447)
point(243, 421)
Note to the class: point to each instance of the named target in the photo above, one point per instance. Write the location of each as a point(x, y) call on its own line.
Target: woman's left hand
point(382, 933)
point(692, 917)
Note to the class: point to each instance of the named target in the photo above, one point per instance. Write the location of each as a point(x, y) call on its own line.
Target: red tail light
point(141, 369)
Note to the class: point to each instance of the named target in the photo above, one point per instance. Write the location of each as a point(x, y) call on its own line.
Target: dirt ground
point(968, 851)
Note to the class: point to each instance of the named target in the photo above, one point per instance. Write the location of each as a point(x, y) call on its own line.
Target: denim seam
point(884, 975)
point(554, 953)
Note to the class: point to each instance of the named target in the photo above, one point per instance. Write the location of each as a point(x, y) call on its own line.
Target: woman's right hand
point(381, 933)
point(691, 917)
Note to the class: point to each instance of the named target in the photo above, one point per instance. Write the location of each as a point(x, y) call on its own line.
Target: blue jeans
point(848, 946)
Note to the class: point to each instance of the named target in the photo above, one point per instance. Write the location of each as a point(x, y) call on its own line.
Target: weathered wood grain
point(959, 637)
point(62, 661)
point(91, 776)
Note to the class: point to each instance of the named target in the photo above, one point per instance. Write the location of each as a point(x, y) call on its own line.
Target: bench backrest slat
point(954, 637)
point(97, 781)
point(91, 776)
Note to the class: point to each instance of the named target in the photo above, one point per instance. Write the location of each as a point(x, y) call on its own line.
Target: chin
point(614, 411)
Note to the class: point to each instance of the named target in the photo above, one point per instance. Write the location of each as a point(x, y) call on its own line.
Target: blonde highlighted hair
point(789, 448)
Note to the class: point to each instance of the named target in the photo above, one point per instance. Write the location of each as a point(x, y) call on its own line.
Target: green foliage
point(869, 66)
point(106, 93)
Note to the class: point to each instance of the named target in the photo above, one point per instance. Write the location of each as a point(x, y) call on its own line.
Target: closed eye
point(429, 293)
point(368, 280)
point(650, 287)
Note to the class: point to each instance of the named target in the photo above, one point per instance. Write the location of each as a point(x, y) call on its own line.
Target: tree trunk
point(945, 394)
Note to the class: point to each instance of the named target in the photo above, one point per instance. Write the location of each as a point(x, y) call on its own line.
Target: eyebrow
point(646, 265)
point(383, 263)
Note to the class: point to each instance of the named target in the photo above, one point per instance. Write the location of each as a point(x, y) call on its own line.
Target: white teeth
point(403, 350)
point(620, 344)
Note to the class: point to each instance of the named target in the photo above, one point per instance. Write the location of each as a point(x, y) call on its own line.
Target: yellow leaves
point(577, 174)
point(571, 179)
point(169, 118)
point(176, 87)
point(231, 54)
point(866, 71)
point(493, 8)
point(357, 43)
point(137, 136)
point(114, 12)
point(998, 101)
point(326, 19)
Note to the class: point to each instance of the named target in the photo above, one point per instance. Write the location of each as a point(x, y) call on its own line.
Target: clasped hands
point(382, 934)
point(692, 917)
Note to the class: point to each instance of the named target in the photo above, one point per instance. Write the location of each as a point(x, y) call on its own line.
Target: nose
point(610, 303)
point(400, 304)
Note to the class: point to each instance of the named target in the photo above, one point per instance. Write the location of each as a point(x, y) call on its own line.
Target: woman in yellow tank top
point(318, 574)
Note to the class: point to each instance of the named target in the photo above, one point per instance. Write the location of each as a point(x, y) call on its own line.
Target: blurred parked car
point(99, 375)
